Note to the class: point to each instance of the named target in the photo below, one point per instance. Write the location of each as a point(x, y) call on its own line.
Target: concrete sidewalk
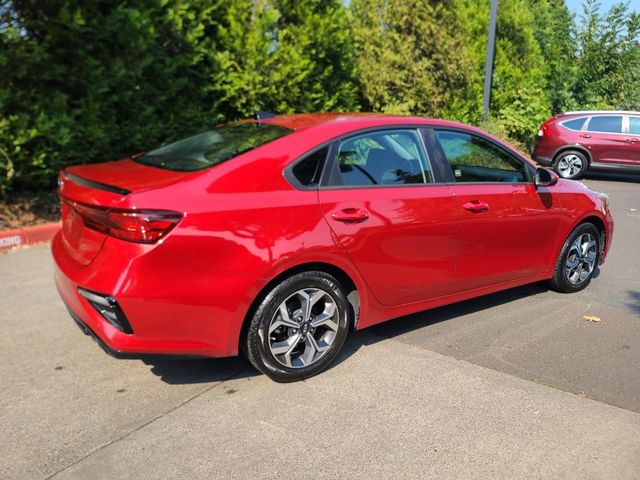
point(389, 410)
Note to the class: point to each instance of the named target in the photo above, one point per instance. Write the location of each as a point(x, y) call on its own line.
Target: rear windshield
point(210, 148)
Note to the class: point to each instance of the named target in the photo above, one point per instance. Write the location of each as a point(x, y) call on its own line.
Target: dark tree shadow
point(627, 177)
point(400, 326)
point(635, 301)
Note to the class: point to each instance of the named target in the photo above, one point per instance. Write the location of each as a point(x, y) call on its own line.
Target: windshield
point(210, 148)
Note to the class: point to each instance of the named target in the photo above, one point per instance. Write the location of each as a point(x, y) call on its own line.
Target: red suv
point(576, 141)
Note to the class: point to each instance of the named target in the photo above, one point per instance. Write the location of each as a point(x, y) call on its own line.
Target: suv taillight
point(544, 131)
point(139, 226)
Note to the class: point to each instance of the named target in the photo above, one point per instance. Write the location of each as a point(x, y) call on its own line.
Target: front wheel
point(578, 260)
point(299, 327)
point(570, 164)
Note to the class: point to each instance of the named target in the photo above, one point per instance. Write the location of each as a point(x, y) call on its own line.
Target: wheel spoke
point(285, 346)
point(588, 245)
point(572, 262)
point(284, 320)
point(309, 352)
point(308, 301)
point(319, 348)
point(326, 318)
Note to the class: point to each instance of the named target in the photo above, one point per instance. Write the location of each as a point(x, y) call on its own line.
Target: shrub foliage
point(91, 80)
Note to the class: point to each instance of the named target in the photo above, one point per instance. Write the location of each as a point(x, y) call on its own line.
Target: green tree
point(411, 57)
point(285, 56)
point(87, 81)
point(554, 30)
point(519, 100)
point(608, 66)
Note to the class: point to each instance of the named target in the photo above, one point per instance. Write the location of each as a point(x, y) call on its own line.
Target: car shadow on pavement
point(210, 370)
point(200, 370)
point(409, 323)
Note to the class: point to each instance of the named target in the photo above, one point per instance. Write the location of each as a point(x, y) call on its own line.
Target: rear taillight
point(544, 131)
point(139, 226)
point(144, 226)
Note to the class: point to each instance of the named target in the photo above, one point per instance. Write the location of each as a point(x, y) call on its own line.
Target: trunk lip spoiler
point(85, 182)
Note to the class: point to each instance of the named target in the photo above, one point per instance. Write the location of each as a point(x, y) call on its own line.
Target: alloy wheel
point(303, 328)
point(570, 165)
point(581, 259)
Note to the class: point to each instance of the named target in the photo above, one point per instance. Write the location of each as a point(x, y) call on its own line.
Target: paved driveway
point(511, 385)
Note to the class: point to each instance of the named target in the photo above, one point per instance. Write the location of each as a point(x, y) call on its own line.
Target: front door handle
point(476, 206)
point(350, 215)
point(585, 135)
point(632, 140)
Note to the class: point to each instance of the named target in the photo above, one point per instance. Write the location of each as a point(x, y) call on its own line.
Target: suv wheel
point(570, 164)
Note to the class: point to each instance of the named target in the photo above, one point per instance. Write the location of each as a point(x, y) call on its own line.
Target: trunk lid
point(89, 191)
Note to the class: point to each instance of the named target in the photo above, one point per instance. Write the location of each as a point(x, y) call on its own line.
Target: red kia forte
point(276, 237)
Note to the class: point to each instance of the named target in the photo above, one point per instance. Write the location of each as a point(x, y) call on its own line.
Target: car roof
point(600, 112)
point(352, 121)
point(331, 125)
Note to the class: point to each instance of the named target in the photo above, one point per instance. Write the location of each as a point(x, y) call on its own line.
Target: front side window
point(212, 147)
point(392, 157)
point(634, 125)
point(605, 124)
point(474, 159)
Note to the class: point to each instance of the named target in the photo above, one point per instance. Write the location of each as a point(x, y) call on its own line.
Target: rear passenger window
point(575, 124)
point(606, 124)
point(392, 157)
point(474, 159)
point(634, 125)
point(309, 170)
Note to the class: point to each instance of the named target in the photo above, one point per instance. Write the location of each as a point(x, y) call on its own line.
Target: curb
point(27, 236)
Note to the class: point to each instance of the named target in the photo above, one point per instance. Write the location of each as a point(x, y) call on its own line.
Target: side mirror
point(545, 178)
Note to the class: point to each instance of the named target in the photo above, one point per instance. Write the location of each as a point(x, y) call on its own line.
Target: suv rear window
point(575, 124)
point(212, 147)
point(605, 124)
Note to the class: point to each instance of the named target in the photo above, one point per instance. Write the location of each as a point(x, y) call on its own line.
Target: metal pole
point(488, 67)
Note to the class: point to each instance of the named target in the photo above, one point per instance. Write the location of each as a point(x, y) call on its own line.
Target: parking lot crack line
point(149, 422)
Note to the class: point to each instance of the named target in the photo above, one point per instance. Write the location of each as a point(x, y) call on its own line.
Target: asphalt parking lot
point(511, 385)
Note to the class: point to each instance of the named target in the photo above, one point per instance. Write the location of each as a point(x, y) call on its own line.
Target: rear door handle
point(476, 206)
point(585, 135)
point(350, 215)
point(632, 140)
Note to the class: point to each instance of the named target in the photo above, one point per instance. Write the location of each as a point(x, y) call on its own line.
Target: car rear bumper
point(172, 318)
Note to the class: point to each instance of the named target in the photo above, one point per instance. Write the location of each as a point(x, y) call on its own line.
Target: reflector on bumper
point(108, 308)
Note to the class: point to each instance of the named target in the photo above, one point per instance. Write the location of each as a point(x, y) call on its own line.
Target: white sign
point(10, 241)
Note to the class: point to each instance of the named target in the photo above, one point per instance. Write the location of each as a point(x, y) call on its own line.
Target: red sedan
point(276, 237)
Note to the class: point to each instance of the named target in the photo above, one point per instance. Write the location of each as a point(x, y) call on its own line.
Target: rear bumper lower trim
point(125, 355)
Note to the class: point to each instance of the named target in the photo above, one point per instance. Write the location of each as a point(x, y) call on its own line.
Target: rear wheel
point(570, 164)
point(299, 327)
point(578, 260)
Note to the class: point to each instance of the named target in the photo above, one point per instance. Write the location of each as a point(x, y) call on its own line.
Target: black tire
point(570, 164)
point(258, 341)
point(561, 280)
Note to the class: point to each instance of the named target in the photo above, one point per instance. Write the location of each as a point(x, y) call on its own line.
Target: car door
point(397, 223)
point(602, 135)
point(632, 138)
point(508, 227)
